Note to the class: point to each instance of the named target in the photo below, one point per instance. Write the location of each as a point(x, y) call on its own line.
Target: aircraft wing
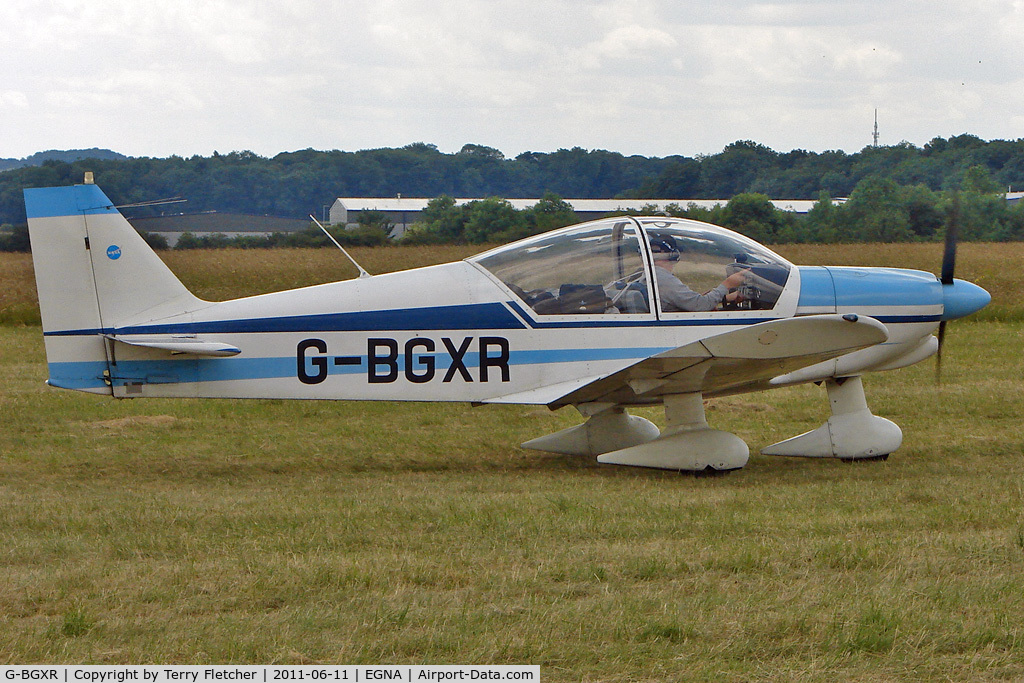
point(741, 360)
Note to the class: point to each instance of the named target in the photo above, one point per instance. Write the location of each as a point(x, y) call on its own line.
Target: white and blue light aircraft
point(578, 316)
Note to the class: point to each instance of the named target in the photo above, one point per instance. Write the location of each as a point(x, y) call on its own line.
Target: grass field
point(174, 531)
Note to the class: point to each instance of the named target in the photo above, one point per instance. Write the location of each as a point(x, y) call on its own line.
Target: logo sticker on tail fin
point(113, 252)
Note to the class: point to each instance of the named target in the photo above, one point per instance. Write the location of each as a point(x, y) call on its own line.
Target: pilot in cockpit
point(676, 296)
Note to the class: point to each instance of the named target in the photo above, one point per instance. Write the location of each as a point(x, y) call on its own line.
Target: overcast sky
point(650, 77)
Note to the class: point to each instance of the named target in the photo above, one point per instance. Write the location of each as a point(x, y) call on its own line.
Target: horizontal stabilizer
point(177, 344)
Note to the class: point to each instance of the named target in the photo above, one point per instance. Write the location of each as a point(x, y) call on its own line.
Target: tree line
point(895, 193)
point(878, 210)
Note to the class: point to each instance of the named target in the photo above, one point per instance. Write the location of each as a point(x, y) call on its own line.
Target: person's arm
point(677, 297)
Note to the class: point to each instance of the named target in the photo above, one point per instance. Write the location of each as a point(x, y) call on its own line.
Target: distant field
point(189, 532)
point(218, 274)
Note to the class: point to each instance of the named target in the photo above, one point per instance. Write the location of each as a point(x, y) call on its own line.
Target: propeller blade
point(949, 250)
point(948, 269)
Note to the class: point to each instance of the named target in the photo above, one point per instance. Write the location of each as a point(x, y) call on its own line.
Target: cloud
point(12, 99)
point(638, 76)
point(624, 44)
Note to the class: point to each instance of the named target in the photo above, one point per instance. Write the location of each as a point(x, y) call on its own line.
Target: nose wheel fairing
point(852, 433)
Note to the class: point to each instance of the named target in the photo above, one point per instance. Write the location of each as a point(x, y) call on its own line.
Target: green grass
point(272, 531)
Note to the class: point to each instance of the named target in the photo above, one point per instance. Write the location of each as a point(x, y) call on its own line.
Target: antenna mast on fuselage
point(362, 271)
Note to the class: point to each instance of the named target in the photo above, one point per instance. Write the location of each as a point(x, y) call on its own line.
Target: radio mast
point(874, 135)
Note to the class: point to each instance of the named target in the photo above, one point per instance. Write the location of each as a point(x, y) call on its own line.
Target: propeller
point(948, 268)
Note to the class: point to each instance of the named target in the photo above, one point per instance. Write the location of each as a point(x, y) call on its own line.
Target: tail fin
point(94, 273)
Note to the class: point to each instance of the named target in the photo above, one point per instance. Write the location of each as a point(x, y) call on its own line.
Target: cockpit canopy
point(605, 266)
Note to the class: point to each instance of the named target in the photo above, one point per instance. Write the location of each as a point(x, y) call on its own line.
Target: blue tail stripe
point(50, 202)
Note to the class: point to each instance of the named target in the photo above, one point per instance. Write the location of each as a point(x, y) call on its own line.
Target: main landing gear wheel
point(873, 458)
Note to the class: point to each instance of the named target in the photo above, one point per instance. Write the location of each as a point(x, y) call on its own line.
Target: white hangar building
point(404, 211)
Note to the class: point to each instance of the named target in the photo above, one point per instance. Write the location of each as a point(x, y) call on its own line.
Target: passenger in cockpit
point(676, 296)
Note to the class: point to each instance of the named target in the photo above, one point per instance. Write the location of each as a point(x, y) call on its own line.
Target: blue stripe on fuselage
point(80, 375)
point(490, 316)
point(90, 374)
point(487, 316)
